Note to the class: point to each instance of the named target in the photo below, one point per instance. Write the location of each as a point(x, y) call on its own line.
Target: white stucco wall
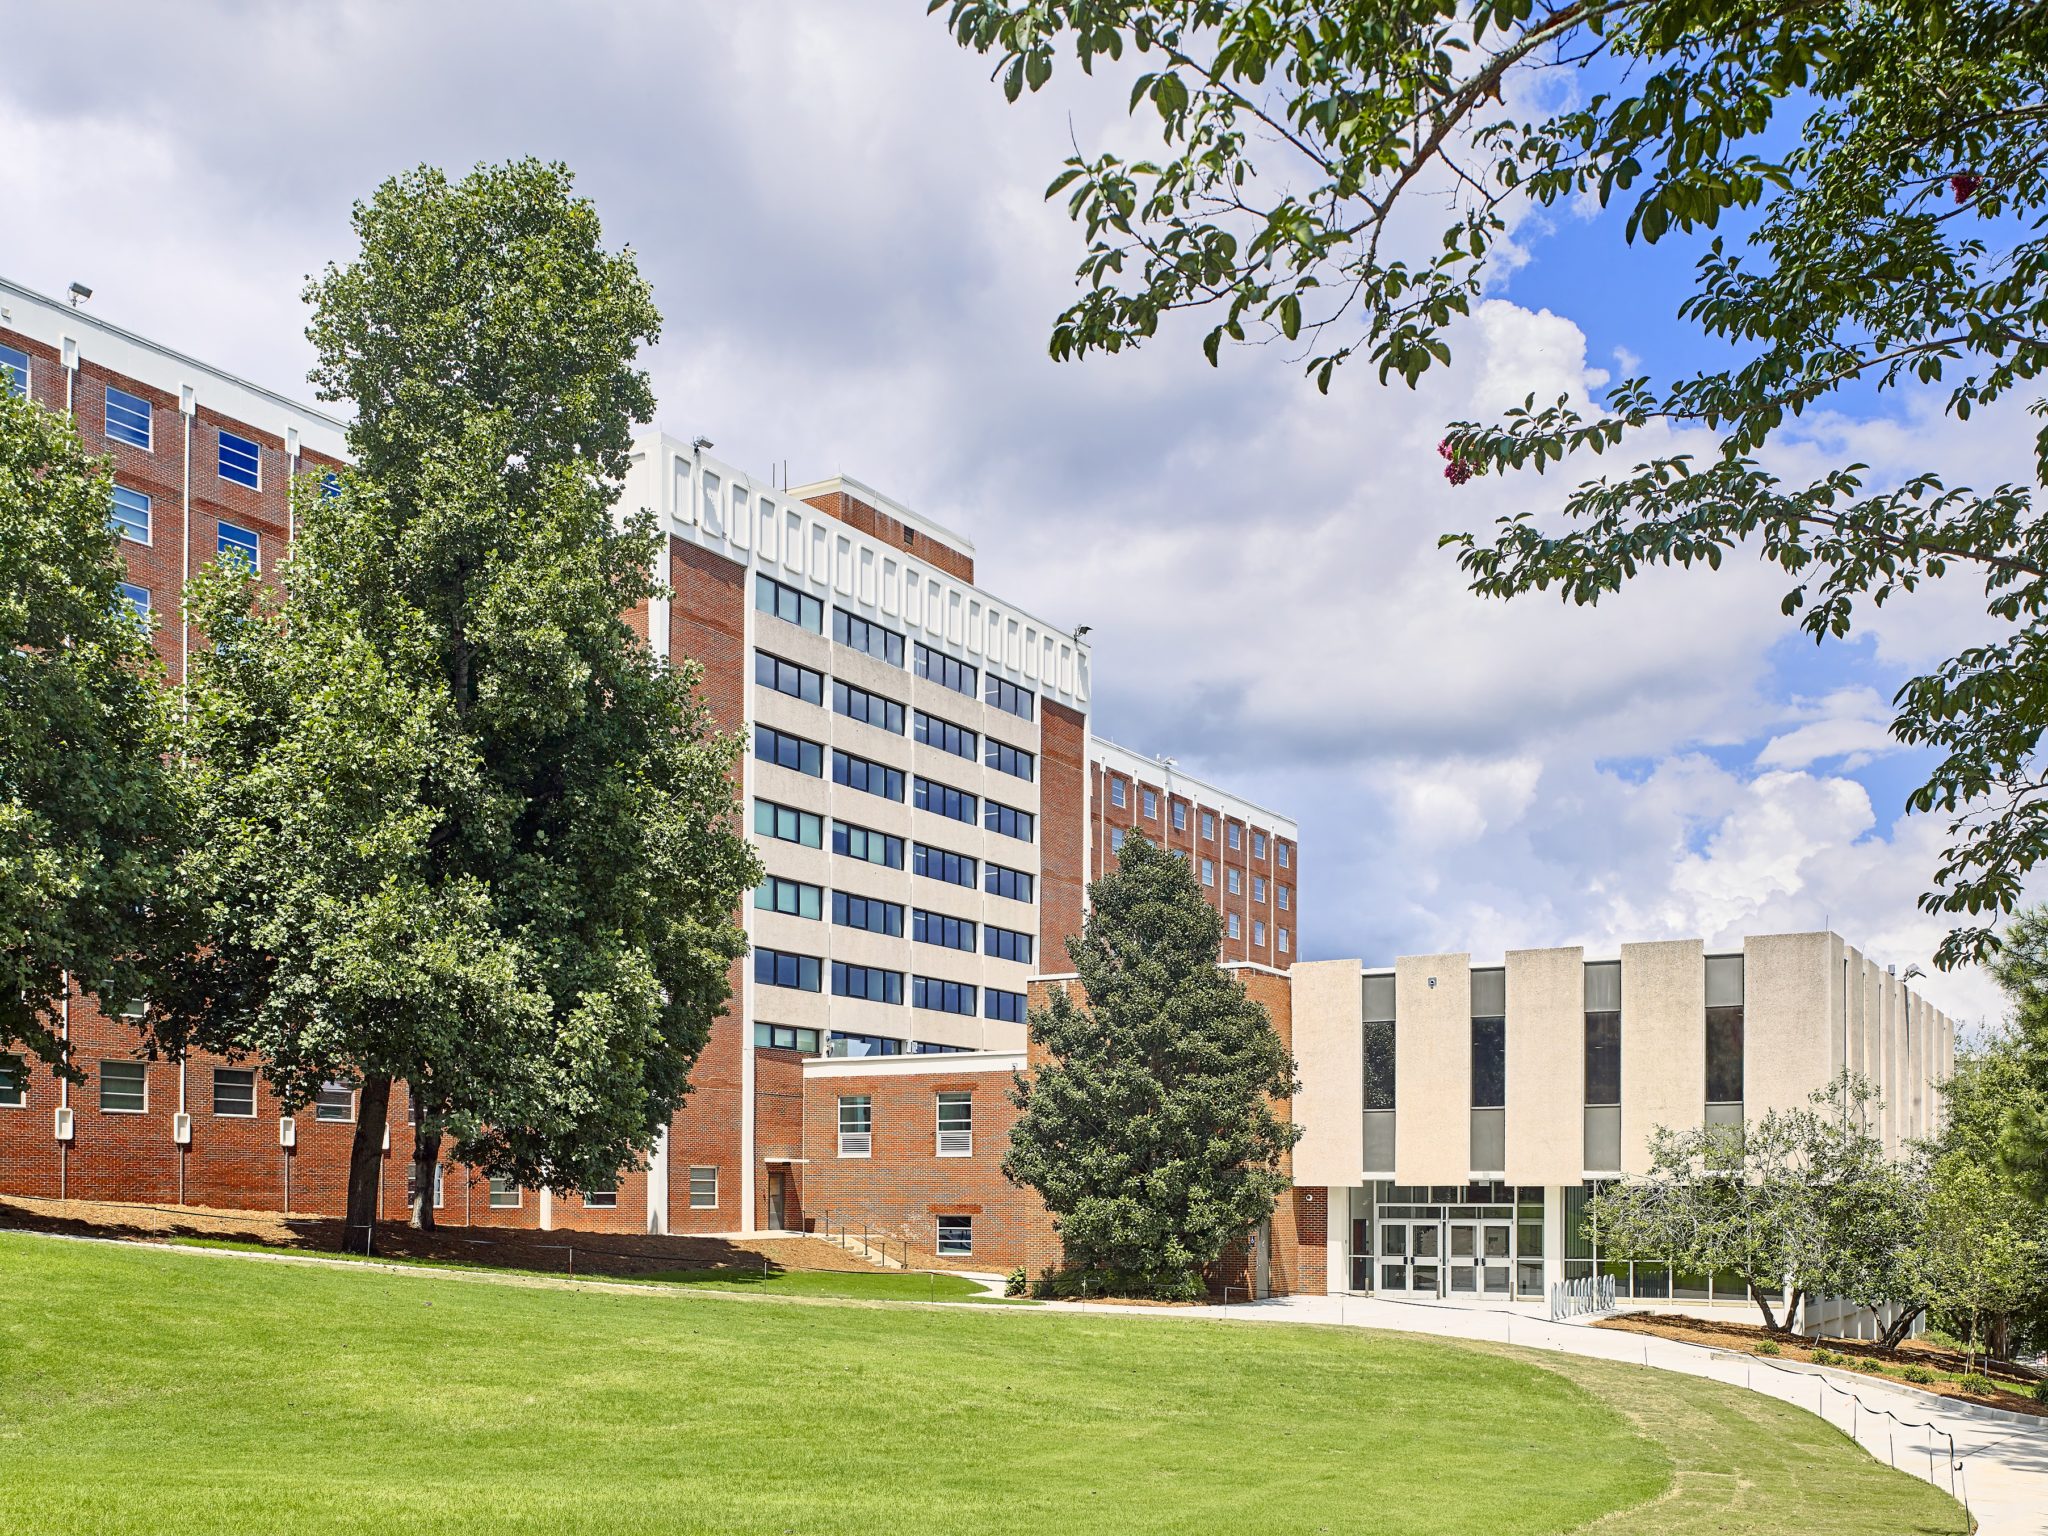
point(1546, 1041)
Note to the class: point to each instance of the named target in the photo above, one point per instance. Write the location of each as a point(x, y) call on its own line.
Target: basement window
point(956, 1235)
point(703, 1189)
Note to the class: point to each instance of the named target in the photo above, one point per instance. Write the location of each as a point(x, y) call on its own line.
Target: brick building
point(921, 782)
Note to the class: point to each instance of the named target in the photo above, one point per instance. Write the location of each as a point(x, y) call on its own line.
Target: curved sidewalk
point(2000, 1468)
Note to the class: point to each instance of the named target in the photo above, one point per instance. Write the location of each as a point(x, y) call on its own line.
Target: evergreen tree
point(460, 828)
point(1149, 1131)
point(91, 819)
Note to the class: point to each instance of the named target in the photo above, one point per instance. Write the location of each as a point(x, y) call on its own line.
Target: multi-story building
point(918, 781)
point(1247, 858)
point(1455, 1118)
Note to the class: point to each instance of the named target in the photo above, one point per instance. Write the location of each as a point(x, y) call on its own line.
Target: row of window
point(788, 1037)
point(877, 984)
point(131, 419)
point(952, 1129)
point(1119, 796)
point(788, 824)
point(795, 606)
point(124, 1090)
point(133, 515)
point(807, 684)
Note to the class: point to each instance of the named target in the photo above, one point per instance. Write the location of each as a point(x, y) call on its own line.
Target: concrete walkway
point(2000, 1465)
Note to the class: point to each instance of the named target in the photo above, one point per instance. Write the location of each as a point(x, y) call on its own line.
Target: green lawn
point(857, 1285)
point(146, 1389)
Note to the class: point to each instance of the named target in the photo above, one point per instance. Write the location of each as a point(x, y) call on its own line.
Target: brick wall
point(1062, 818)
point(855, 513)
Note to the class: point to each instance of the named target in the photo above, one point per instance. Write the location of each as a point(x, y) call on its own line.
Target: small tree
point(1150, 1131)
point(90, 815)
point(1979, 1258)
point(461, 828)
point(1803, 1198)
point(2012, 1084)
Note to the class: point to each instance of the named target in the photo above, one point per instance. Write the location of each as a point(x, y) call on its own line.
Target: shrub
point(2041, 1393)
point(1821, 1356)
point(1018, 1283)
point(1918, 1374)
point(1769, 1347)
point(1978, 1382)
point(1870, 1367)
point(1071, 1283)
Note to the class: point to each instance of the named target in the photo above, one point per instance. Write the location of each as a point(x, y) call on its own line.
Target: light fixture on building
point(699, 444)
point(79, 294)
point(1911, 972)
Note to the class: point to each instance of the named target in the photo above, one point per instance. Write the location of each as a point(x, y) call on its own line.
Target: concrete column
point(1663, 1044)
point(1546, 1065)
point(1433, 1069)
point(1329, 1051)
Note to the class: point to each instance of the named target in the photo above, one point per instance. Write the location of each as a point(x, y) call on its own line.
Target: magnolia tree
point(1803, 1200)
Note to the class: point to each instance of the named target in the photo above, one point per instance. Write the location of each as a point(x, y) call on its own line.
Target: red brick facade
point(855, 513)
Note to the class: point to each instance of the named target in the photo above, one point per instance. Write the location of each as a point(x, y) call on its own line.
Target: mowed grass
point(851, 1285)
point(146, 1389)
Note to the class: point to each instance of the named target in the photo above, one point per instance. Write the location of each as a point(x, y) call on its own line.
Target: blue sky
point(843, 224)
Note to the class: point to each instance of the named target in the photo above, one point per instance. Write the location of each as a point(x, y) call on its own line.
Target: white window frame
point(1283, 941)
point(696, 1203)
point(139, 600)
point(1258, 932)
point(220, 437)
point(1151, 804)
point(1236, 929)
point(412, 1173)
point(1234, 880)
point(956, 1140)
point(142, 1067)
point(18, 381)
point(1280, 852)
point(1258, 887)
point(1117, 793)
point(1116, 839)
point(321, 1108)
point(857, 1143)
point(14, 1075)
point(498, 1197)
point(255, 535)
point(1236, 838)
point(228, 1114)
point(601, 1199)
point(148, 443)
point(1209, 872)
point(1258, 845)
point(1180, 815)
point(148, 501)
point(939, 1242)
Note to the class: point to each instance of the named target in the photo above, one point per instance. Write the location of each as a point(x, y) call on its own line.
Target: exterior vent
point(65, 1127)
point(856, 1143)
point(956, 1143)
point(181, 1129)
point(287, 1132)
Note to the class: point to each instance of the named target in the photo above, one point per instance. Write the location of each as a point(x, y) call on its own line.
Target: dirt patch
point(2016, 1385)
point(558, 1252)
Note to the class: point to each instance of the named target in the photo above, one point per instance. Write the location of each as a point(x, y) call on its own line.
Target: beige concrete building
point(1459, 1115)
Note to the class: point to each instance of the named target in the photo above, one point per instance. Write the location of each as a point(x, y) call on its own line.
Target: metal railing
point(1581, 1298)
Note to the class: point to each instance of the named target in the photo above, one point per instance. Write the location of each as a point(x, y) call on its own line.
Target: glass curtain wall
point(1489, 1072)
point(1724, 1040)
point(1379, 1074)
point(1603, 1066)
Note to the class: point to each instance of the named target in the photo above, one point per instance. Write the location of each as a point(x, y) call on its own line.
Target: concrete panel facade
point(1788, 1020)
point(1663, 1043)
point(1546, 1065)
point(1433, 1069)
point(1329, 1051)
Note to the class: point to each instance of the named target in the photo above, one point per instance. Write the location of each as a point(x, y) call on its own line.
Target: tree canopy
point(1340, 176)
point(91, 817)
point(1149, 1130)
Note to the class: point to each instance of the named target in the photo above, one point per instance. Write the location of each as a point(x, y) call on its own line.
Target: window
point(602, 1198)
point(1285, 894)
point(124, 1088)
point(1235, 930)
point(787, 751)
point(1006, 944)
point(1116, 839)
point(336, 1101)
point(871, 639)
point(14, 369)
point(1724, 1039)
point(1283, 941)
point(131, 514)
point(1258, 887)
point(1011, 883)
point(412, 1184)
point(941, 864)
point(1234, 881)
point(956, 1235)
point(938, 667)
point(1014, 761)
point(931, 731)
point(863, 843)
point(137, 599)
point(1208, 871)
point(934, 1048)
point(1258, 931)
point(234, 1092)
point(1010, 698)
point(703, 1189)
point(1236, 835)
point(788, 604)
point(956, 1125)
point(1009, 821)
point(844, 1044)
point(1378, 1070)
point(782, 1037)
point(505, 1195)
point(869, 777)
point(1008, 1007)
point(856, 1125)
point(946, 932)
point(1602, 1147)
point(1208, 827)
point(236, 543)
point(1151, 805)
point(127, 418)
point(868, 982)
point(1180, 816)
point(929, 992)
point(330, 490)
point(787, 677)
point(1489, 1043)
point(792, 898)
point(1258, 845)
point(13, 1082)
point(241, 461)
point(780, 968)
point(867, 913)
point(1116, 792)
point(787, 824)
point(868, 708)
point(1280, 848)
point(944, 800)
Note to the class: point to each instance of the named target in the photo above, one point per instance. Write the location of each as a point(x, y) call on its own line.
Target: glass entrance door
point(1481, 1259)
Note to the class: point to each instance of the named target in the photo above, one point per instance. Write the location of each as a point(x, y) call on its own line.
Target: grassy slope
point(152, 1390)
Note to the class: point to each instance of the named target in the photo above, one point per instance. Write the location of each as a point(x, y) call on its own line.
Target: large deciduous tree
point(1149, 1130)
point(2009, 1072)
point(461, 830)
point(91, 818)
point(1339, 176)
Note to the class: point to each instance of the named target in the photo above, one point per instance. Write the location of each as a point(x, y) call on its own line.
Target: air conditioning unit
point(181, 1129)
point(956, 1143)
point(65, 1127)
point(287, 1132)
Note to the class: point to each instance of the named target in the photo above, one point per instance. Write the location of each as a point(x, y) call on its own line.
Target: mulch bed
point(555, 1252)
point(1743, 1338)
